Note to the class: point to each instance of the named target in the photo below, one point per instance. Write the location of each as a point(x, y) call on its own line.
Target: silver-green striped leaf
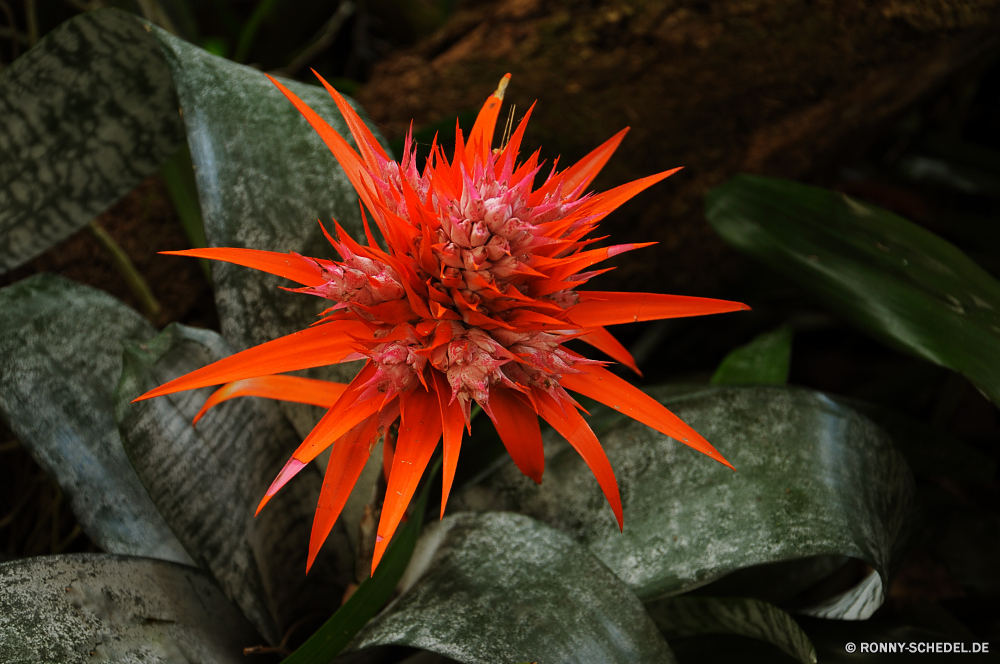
point(207, 482)
point(60, 358)
point(813, 478)
point(503, 587)
point(679, 617)
point(83, 608)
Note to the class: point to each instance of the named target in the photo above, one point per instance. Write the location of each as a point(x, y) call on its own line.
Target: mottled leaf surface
point(60, 358)
point(763, 361)
point(680, 617)
point(76, 609)
point(503, 587)
point(814, 478)
point(264, 179)
point(85, 115)
point(893, 279)
point(208, 481)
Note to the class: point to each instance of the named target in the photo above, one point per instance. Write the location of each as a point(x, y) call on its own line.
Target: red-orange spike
point(366, 141)
point(282, 388)
point(419, 432)
point(571, 426)
point(508, 157)
point(453, 428)
point(604, 204)
point(347, 460)
point(598, 308)
point(584, 171)
point(481, 136)
point(517, 424)
point(313, 347)
point(290, 266)
point(600, 384)
point(605, 342)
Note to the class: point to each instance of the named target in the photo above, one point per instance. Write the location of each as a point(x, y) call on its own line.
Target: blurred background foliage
point(892, 102)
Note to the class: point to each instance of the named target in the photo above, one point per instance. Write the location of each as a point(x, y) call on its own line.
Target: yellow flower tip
point(502, 86)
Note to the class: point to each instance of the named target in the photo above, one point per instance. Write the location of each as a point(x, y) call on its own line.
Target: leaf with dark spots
point(900, 283)
point(503, 587)
point(85, 115)
point(60, 358)
point(813, 478)
point(82, 608)
point(208, 481)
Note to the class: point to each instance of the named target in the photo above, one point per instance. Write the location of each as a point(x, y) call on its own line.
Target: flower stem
point(127, 268)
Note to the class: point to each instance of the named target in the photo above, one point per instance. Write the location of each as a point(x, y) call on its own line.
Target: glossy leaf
point(371, 595)
point(679, 617)
point(207, 481)
point(893, 279)
point(503, 587)
point(85, 115)
point(76, 609)
point(813, 478)
point(60, 358)
point(264, 178)
point(763, 361)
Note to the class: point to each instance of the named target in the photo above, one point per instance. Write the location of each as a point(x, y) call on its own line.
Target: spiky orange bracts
point(472, 302)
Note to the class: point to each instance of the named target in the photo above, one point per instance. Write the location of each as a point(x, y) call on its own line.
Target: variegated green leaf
point(502, 587)
point(60, 358)
point(679, 617)
point(77, 609)
point(207, 482)
point(813, 478)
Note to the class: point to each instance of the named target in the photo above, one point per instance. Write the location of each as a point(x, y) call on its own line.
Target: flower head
point(471, 301)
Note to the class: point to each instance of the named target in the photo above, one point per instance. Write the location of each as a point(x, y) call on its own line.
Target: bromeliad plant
point(469, 300)
point(472, 303)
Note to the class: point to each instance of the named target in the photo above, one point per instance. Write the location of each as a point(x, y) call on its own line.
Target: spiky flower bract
point(471, 301)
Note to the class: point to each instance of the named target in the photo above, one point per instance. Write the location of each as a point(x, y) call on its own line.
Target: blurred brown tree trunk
point(779, 87)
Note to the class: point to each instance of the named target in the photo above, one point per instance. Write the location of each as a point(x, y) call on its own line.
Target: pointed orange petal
point(283, 265)
point(601, 385)
point(388, 452)
point(419, 431)
point(354, 167)
point(283, 388)
point(584, 171)
point(517, 424)
point(604, 204)
point(481, 136)
point(598, 308)
point(313, 347)
point(453, 428)
point(363, 136)
point(347, 459)
point(340, 419)
point(605, 342)
point(571, 426)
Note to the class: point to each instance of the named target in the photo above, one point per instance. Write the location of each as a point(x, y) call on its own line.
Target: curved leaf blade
point(763, 361)
point(85, 115)
point(60, 358)
point(813, 478)
point(207, 482)
point(82, 608)
point(502, 587)
point(679, 617)
point(898, 282)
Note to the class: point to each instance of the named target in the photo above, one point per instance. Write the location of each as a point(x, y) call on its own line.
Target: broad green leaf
point(85, 115)
point(763, 361)
point(895, 280)
point(264, 179)
point(679, 617)
point(813, 478)
point(178, 177)
point(370, 596)
point(207, 482)
point(502, 587)
point(60, 358)
point(82, 608)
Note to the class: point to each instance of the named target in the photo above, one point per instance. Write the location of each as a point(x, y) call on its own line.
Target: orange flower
point(472, 302)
